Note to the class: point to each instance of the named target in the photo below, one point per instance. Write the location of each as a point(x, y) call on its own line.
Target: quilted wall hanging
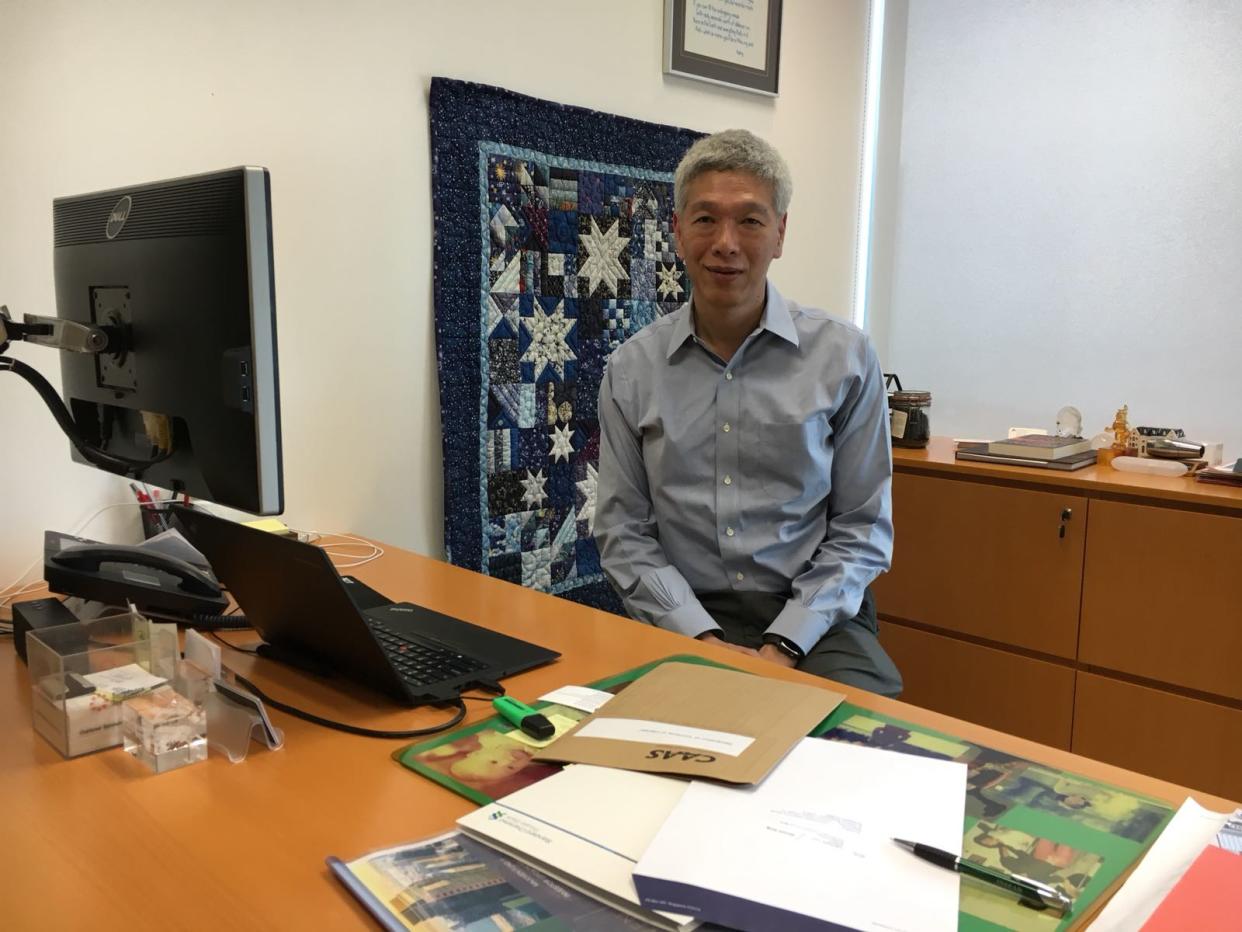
point(553, 244)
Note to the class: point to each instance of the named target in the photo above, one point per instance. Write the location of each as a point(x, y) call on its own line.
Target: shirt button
point(726, 428)
point(728, 376)
point(729, 531)
point(728, 480)
point(740, 577)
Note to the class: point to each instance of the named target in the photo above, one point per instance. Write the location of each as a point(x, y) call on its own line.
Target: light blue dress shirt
point(771, 472)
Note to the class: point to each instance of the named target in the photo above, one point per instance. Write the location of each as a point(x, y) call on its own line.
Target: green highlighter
point(526, 718)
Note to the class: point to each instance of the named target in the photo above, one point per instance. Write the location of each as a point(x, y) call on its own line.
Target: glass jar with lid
point(908, 420)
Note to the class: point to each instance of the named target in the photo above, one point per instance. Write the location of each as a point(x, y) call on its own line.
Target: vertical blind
point(1067, 214)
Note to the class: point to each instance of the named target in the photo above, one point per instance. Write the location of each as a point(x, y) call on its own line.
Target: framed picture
point(736, 43)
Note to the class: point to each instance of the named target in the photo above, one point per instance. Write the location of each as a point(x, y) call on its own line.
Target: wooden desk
point(98, 842)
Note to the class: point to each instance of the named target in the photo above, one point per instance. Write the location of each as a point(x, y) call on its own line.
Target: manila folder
point(697, 721)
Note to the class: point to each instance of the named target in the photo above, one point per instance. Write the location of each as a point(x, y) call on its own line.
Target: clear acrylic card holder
point(234, 718)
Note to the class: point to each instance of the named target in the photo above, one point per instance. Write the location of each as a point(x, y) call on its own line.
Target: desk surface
point(98, 841)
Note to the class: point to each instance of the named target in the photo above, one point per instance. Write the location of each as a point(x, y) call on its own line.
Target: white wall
point(1066, 214)
point(331, 97)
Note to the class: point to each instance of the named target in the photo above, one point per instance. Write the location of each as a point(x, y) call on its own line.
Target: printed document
point(812, 844)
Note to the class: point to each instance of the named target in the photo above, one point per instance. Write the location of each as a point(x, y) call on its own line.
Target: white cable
point(6, 596)
point(375, 553)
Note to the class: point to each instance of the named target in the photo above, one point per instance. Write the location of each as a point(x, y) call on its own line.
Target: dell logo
point(116, 219)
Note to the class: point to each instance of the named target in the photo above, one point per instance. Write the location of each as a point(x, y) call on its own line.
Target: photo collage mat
point(1024, 818)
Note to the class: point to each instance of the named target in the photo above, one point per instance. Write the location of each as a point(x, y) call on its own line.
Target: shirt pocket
point(791, 462)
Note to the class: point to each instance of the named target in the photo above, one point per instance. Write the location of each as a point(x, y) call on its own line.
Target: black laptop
point(295, 599)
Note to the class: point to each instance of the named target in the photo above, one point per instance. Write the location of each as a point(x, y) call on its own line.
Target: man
point(745, 466)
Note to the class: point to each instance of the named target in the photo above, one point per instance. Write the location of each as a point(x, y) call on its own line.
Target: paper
point(586, 826)
point(122, 682)
point(202, 653)
point(1186, 835)
point(578, 697)
point(1208, 898)
point(814, 841)
point(629, 729)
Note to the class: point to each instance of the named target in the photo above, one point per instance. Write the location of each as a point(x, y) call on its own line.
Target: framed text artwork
point(736, 43)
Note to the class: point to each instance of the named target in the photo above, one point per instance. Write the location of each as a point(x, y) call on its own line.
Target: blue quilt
point(552, 246)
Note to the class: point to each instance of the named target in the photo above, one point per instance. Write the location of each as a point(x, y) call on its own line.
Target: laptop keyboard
point(419, 664)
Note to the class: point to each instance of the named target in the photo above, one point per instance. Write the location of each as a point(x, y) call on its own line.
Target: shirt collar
point(776, 319)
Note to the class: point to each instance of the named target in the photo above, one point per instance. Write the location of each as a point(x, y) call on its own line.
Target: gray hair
point(734, 150)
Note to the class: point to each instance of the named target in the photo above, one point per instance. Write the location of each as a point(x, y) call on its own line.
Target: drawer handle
point(1067, 514)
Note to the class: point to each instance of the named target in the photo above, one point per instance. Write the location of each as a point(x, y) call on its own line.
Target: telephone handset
point(156, 582)
point(92, 556)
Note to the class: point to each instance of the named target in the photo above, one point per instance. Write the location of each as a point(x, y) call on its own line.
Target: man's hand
point(710, 638)
point(776, 655)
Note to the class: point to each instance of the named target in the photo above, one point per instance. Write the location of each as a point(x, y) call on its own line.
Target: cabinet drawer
point(986, 560)
point(1162, 596)
point(1188, 741)
point(1030, 698)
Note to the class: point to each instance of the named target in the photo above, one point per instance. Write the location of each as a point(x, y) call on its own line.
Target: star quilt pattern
point(553, 245)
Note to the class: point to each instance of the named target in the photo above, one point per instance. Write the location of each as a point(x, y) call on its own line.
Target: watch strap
point(785, 646)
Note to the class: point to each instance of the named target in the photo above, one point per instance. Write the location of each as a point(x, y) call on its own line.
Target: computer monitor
point(179, 274)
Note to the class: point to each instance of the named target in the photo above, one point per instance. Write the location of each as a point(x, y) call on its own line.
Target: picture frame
point(726, 42)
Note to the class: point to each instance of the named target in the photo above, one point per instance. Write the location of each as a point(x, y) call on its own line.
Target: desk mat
point(553, 245)
point(484, 762)
point(1023, 817)
point(1065, 830)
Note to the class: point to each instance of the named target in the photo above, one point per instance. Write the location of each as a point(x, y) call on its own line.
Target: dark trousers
point(849, 653)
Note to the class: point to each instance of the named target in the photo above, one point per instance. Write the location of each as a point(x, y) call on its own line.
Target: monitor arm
point(71, 337)
point(54, 332)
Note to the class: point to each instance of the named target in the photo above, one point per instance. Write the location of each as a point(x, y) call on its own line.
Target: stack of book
point(1225, 475)
point(1043, 451)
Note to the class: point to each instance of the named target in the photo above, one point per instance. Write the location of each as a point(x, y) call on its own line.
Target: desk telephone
point(115, 573)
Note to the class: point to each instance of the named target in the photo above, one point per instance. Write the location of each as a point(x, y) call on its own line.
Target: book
point(449, 882)
point(586, 827)
point(1039, 446)
point(1208, 898)
point(978, 452)
point(812, 846)
point(1225, 475)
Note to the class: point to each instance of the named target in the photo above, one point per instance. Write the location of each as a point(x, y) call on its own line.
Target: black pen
point(1029, 891)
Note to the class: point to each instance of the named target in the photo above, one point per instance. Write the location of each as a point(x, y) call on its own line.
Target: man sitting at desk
point(745, 469)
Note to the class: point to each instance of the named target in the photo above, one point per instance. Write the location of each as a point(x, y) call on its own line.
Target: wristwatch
point(785, 646)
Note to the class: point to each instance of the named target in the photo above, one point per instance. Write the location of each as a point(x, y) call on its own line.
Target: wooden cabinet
point(1162, 596)
point(1031, 698)
point(998, 563)
point(1097, 609)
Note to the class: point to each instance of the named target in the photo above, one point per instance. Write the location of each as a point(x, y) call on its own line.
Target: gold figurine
point(1121, 430)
